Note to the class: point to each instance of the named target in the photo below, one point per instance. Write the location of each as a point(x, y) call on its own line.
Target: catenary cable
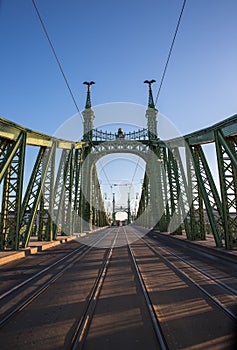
point(56, 57)
point(170, 51)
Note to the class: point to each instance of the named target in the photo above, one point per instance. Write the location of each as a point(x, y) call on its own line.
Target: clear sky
point(118, 44)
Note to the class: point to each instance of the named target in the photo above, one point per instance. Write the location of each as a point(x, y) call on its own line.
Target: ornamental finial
point(88, 98)
point(150, 100)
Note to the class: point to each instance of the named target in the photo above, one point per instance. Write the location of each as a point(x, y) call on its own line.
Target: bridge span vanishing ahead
point(167, 280)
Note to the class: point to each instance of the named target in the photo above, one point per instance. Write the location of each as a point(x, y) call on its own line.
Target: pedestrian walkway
point(35, 246)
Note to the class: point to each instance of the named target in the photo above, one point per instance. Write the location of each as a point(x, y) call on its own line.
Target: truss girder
point(143, 220)
point(63, 194)
point(174, 184)
point(12, 168)
point(33, 195)
point(99, 216)
point(196, 213)
point(76, 191)
point(45, 213)
point(166, 190)
point(209, 193)
point(184, 199)
point(48, 208)
point(227, 162)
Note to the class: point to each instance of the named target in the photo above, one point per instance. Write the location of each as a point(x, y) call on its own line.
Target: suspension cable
point(170, 51)
point(135, 171)
point(102, 168)
point(56, 56)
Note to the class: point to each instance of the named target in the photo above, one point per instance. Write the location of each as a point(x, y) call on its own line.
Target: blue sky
point(118, 44)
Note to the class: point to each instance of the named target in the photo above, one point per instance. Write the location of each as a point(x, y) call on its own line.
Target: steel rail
point(211, 297)
point(46, 285)
point(155, 322)
point(38, 274)
point(214, 279)
point(83, 326)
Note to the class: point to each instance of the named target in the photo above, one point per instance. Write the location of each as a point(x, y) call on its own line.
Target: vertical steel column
point(142, 219)
point(209, 194)
point(184, 196)
point(11, 169)
point(68, 197)
point(76, 191)
point(227, 162)
point(33, 194)
point(45, 214)
point(174, 187)
point(86, 183)
point(166, 194)
point(62, 193)
point(99, 215)
point(155, 173)
point(196, 213)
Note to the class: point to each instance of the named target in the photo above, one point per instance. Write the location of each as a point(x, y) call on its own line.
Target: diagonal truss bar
point(45, 213)
point(7, 153)
point(34, 192)
point(62, 193)
point(12, 168)
point(227, 162)
point(196, 213)
point(184, 197)
point(76, 191)
point(209, 193)
point(175, 191)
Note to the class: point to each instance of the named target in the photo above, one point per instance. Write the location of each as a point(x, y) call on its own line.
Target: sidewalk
point(35, 246)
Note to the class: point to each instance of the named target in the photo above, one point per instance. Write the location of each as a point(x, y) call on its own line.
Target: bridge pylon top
point(88, 114)
point(88, 97)
point(151, 112)
point(151, 103)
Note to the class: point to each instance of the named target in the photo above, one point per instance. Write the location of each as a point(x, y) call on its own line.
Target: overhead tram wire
point(56, 57)
point(170, 51)
point(135, 170)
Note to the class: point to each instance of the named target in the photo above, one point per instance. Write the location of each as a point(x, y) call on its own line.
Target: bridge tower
point(154, 166)
point(151, 112)
point(88, 113)
point(87, 173)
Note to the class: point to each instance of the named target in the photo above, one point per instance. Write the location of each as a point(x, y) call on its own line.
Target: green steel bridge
point(179, 194)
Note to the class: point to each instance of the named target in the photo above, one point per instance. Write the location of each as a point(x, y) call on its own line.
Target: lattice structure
point(227, 161)
point(12, 166)
point(179, 194)
point(196, 214)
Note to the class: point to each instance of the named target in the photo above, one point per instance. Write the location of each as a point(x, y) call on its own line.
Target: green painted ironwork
point(151, 103)
point(62, 195)
point(209, 193)
point(174, 194)
point(12, 167)
point(73, 201)
point(45, 212)
point(33, 195)
point(196, 214)
point(227, 162)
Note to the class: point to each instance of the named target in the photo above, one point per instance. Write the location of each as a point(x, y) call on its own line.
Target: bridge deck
point(92, 298)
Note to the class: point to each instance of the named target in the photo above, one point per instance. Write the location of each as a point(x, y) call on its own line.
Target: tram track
point(203, 277)
point(81, 331)
point(129, 267)
point(225, 289)
point(155, 322)
point(80, 336)
point(73, 257)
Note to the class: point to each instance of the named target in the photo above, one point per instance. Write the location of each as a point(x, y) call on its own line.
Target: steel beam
point(12, 169)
